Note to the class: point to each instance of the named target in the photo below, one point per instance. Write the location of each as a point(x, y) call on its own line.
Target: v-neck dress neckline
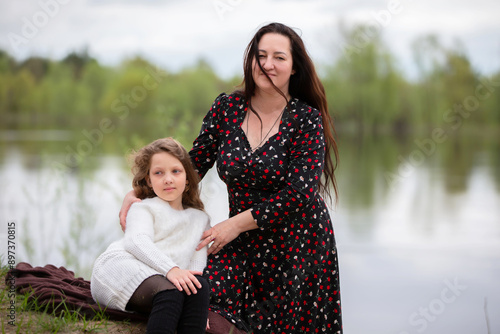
point(246, 143)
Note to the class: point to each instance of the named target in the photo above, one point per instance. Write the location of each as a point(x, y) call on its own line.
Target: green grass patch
point(21, 313)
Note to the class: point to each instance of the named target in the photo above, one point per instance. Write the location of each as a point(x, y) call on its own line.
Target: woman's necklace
point(268, 132)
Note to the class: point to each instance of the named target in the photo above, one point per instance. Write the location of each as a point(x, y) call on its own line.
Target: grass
point(21, 314)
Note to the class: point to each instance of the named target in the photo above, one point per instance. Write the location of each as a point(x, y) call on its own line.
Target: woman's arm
point(226, 231)
point(130, 198)
point(205, 146)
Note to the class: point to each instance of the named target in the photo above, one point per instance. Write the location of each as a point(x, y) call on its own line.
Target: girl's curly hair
point(142, 164)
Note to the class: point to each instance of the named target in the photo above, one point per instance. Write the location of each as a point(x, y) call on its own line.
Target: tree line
point(366, 90)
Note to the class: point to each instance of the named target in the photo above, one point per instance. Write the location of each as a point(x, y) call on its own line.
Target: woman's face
point(275, 56)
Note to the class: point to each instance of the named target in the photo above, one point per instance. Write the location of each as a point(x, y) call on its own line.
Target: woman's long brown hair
point(304, 85)
point(142, 165)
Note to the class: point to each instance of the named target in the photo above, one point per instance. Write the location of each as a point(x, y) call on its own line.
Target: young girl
point(155, 267)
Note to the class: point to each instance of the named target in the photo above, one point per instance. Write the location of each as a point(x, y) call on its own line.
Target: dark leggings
point(169, 308)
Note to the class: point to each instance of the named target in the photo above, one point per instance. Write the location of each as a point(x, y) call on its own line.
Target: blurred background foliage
point(367, 91)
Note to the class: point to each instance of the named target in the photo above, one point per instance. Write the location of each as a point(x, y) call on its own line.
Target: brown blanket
point(51, 286)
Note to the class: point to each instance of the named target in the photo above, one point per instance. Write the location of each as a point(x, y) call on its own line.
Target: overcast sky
point(174, 33)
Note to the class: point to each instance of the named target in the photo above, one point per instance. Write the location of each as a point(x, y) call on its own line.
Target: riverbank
point(18, 315)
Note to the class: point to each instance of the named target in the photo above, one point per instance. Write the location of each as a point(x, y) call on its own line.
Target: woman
point(272, 265)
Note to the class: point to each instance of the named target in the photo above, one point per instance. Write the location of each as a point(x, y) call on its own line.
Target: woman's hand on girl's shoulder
point(129, 199)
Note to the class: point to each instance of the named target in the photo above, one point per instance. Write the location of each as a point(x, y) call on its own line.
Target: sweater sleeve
point(199, 259)
point(139, 239)
point(307, 155)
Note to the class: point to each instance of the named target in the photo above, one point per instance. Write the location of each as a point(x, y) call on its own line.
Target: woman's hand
point(129, 199)
point(221, 234)
point(184, 280)
point(226, 231)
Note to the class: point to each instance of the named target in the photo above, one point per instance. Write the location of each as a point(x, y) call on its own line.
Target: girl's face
point(275, 56)
point(167, 177)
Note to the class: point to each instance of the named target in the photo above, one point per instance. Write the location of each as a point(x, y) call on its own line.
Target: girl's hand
point(129, 199)
point(184, 280)
point(226, 231)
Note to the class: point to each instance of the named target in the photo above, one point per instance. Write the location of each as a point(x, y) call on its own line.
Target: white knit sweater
point(157, 238)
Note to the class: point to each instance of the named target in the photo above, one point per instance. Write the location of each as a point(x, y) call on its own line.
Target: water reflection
point(404, 243)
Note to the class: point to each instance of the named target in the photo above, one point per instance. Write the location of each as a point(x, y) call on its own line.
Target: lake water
point(418, 228)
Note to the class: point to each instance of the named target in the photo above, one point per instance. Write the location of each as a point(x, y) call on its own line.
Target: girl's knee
point(205, 286)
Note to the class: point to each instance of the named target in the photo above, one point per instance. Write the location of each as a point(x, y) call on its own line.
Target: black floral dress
point(282, 277)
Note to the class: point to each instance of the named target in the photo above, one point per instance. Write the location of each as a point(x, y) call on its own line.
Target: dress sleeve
point(139, 239)
point(204, 151)
point(306, 156)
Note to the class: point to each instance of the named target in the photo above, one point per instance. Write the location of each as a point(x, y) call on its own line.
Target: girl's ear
point(148, 181)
